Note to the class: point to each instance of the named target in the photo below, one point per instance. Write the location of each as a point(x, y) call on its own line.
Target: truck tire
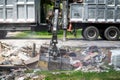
point(112, 33)
point(91, 33)
point(3, 34)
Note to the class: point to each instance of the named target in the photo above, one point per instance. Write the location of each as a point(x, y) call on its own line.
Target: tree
point(45, 5)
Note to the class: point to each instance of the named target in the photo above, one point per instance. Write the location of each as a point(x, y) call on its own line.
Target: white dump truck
point(96, 18)
point(20, 15)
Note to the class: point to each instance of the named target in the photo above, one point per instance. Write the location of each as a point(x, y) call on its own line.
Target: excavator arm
point(53, 51)
point(53, 54)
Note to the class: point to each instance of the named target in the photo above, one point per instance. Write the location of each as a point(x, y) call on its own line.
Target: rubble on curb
point(14, 60)
point(90, 59)
point(13, 55)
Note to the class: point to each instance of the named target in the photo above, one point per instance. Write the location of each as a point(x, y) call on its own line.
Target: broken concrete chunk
point(5, 54)
point(20, 78)
point(22, 56)
point(15, 60)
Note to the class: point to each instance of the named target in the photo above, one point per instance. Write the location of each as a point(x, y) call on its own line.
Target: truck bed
point(17, 11)
point(96, 11)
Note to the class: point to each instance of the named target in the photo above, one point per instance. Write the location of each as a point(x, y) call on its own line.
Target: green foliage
point(44, 34)
point(71, 75)
point(78, 75)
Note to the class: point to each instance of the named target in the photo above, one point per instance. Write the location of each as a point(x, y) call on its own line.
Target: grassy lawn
point(78, 75)
point(45, 34)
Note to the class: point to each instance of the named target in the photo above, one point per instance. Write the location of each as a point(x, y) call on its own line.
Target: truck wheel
point(91, 33)
point(3, 34)
point(112, 33)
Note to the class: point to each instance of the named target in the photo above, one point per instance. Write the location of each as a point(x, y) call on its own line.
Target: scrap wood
point(25, 65)
point(32, 60)
point(4, 45)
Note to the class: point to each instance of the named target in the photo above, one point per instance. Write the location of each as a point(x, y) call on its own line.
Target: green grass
point(45, 34)
point(78, 75)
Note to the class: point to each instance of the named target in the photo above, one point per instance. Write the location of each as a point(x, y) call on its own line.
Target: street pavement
point(69, 42)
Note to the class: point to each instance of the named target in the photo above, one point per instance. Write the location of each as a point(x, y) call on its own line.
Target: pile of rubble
point(15, 60)
point(15, 55)
point(94, 59)
point(90, 59)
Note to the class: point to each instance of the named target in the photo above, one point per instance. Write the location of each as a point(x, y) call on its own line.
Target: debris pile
point(14, 60)
point(94, 59)
point(14, 55)
point(22, 74)
point(91, 59)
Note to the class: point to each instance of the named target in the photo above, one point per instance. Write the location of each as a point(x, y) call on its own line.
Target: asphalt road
point(70, 42)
